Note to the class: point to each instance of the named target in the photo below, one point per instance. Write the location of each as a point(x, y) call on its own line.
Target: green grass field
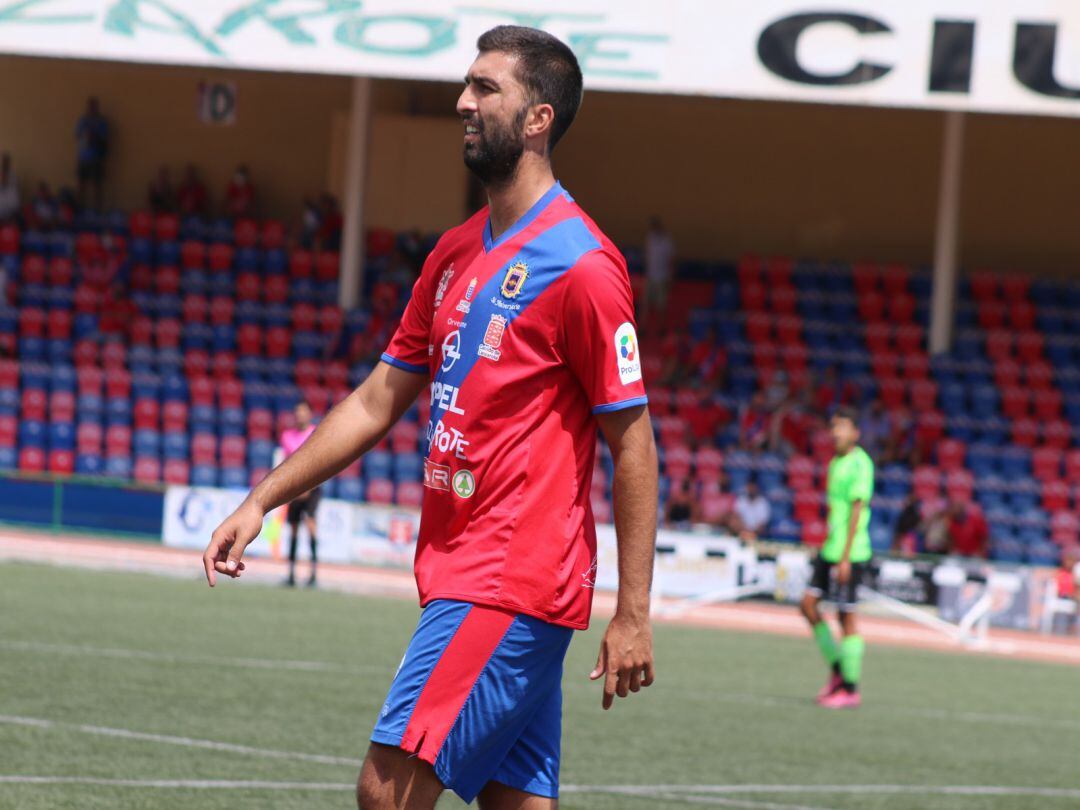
point(132, 677)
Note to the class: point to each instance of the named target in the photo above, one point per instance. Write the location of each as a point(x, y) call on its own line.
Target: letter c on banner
point(778, 43)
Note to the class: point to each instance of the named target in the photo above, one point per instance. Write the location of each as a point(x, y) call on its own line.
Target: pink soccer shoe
point(842, 699)
point(835, 682)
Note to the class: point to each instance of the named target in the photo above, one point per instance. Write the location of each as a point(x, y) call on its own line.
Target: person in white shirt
point(659, 268)
point(753, 512)
point(9, 190)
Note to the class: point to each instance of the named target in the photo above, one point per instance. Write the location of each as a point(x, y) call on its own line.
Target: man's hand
point(626, 657)
point(227, 544)
point(843, 572)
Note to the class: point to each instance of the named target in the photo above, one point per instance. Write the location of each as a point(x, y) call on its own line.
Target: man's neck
point(508, 202)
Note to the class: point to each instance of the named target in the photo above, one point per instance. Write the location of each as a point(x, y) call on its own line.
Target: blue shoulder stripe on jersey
point(393, 361)
point(620, 405)
point(547, 257)
point(525, 220)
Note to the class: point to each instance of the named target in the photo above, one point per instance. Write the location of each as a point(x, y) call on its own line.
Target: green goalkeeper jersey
point(851, 479)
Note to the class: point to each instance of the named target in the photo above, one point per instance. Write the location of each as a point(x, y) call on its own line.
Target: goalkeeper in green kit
point(842, 563)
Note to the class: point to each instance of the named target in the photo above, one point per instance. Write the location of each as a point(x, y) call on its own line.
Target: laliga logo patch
point(493, 338)
point(514, 280)
point(628, 354)
point(444, 282)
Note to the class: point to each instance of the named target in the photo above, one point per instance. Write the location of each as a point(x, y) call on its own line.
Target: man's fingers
point(635, 679)
point(649, 675)
point(609, 688)
point(622, 688)
point(601, 663)
point(208, 567)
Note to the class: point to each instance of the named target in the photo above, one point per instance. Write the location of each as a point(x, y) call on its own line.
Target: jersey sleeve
point(862, 480)
point(408, 348)
point(598, 337)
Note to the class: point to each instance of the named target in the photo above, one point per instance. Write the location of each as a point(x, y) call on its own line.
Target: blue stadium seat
point(61, 436)
point(350, 489)
point(89, 464)
point(33, 434)
point(204, 475)
point(118, 467)
point(175, 445)
point(9, 458)
point(146, 443)
point(377, 464)
point(234, 478)
point(203, 419)
point(408, 467)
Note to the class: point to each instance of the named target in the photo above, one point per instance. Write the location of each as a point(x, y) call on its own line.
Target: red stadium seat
point(1029, 347)
point(380, 242)
point(1046, 463)
point(33, 404)
point(960, 486)
point(61, 272)
point(999, 344)
point(894, 278)
point(909, 339)
point(167, 227)
point(142, 331)
point(117, 382)
point(59, 324)
point(926, 482)
point(89, 437)
point(1047, 404)
point(1072, 466)
point(759, 327)
point(249, 340)
point(789, 330)
point(142, 278)
point(307, 372)
point(783, 300)
point(32, 459)
point(1065, 528)
point(204, 448)
point(335, 375)
point(32, 322)
point(278, 342)
point(141, 224)
point(9, 431)
point(380, 491)
point(220, 257)
point(891, 392)
point(193, 255)
point(61, 462)
point(866, 277)
point(1016, 287)
point(814, 533)
point(872, 306)
point(196, 363)
point(806, 505)
point(195, 308)
point(801, 473)
point(985, 286)
point(147, 469)
point(924, 395)
point(248, 287)
point(929, 429)
point(405, 437)
point(201, 390)
point(1006, 374)
point(223, 366)
point(33, 270)
point(1015, 402)
point(1055, 496)
point(88, 248)
point(260, 424)
point(118, 441)
point(1039, 375)
point(1057, 434)
point(61, 406)
point(765, 356)
point(300, 264)
point(86, 299)
point(176, 471)
point(950, 454)
point(1022, 316)
point(174, 417)
point(9, 240)
point(901, 308)
point(221, 310)
point(330, 319)
point(230, 393)
point(327, 266)
point(678, 461)
point(88, 379)
point(991, 315)
point(317, 397)
point(233, 451)
point(753, 296)
point(167, 280)
point(304, 317)
point(167, 333)
point(916, 366)
point(246, 233)
point(879, 338)
point(1025, 432)
point(147, 413)
point(273, 234)
point(276, 290)
point(410, 494)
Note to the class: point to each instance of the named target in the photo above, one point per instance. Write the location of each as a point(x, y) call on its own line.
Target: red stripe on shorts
point(452, 680)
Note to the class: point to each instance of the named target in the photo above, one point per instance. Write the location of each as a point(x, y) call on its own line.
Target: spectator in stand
point(117, 313)
point(827, 393)
point(303, 508)
point(936, 530)
point(330, 223)
point(160, 195)
point(1065, 584)
point(905, 535)
point(659, 269)
point(92, 135)
point(968, 531)
point(793, 425)
point(682, 509)
point(191, 196)
point(240, 195)
point(708, 359)
point(310, 223)
point(755, 423)
point(9, 191)
point(400, 272)
point(43, 211)
point(752, 513)
point(705, 417)
point(900, 446)
point(874, 427)
point(674, 350)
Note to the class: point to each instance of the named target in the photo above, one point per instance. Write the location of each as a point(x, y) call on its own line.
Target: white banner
point(1015, 56)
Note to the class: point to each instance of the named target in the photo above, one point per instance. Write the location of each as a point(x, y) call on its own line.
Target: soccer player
point(845, 554)
point(304, 507)
point(522, 322)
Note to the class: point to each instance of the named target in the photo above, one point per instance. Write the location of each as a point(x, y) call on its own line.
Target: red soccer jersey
point(524, 337)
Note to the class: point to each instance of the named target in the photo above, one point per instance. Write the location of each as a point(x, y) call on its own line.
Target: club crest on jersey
point(514, 280)
point(493, 338)
point(444, 282)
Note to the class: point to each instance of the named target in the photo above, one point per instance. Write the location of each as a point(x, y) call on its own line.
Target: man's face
point(493, 108)
point(845, 433)
point(303, 416)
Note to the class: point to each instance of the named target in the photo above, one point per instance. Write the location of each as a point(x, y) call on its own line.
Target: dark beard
point(494, 158)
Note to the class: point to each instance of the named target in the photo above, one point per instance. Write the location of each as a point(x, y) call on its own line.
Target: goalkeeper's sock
point(829, 651)
point(852, 649)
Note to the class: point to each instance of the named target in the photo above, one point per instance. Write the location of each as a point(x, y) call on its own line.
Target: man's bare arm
point(626, 650)
point(352, 428)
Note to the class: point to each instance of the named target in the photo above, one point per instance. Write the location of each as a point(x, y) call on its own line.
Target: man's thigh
point(391, 779)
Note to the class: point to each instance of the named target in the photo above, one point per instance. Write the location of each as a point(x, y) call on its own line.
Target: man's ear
point(541, 119)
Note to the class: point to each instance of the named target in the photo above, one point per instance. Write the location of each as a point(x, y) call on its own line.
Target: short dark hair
point(847, 412)
point(546, 66)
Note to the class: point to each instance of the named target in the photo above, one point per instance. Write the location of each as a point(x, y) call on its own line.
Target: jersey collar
point(522, 223)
